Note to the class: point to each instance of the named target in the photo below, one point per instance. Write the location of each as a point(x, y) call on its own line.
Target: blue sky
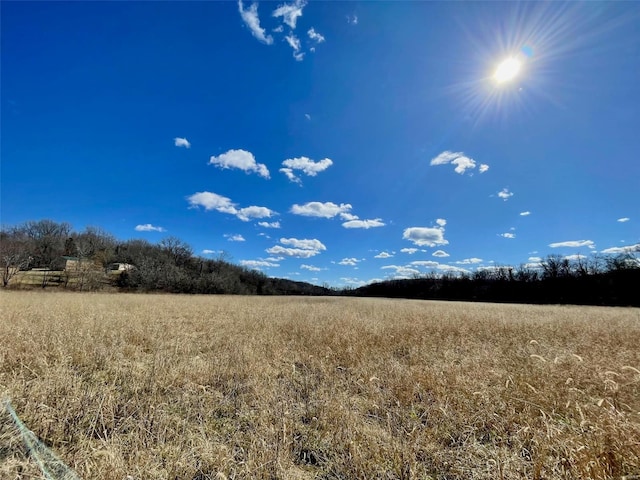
point(326, 141)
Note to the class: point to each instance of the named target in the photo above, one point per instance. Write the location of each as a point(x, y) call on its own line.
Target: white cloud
point(349, 261)
point(251, 20)
point(269, 225)
point(311, 268)
point(376, 222)
point(352, 19)
point(348, 216)
point(294, 43)
point(627, 249)
point(623, 219)
point(525, 214)
point(234, 238)
point(451, 269)
point(458, 159)
point(575, 257)
point(313, 35)
point(213, 201)
point(305, 165)
point(573, 244)
point(257, 264)
point(240, 159)
point(410, 251)
point(147, 227)
point(247, 213)
point(425, 263)
point(290, 175)
point(181, 142)
point(383, 255)
point(290, 12)
point(508, 235)
point(533, 265)
point(319, 209)
point(307, 116)
point(300, 248)
point(402, 271)
point(352, 281)
point(441, 221)
point(483, 167)
point(278, 29)
point(307, 244)
point(425, 236)
point(505, 194)
point(440, 253)
point(535, 259)
point(208, 252)
point(469, 261)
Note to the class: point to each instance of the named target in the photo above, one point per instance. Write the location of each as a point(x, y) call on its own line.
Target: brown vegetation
point(197, 387)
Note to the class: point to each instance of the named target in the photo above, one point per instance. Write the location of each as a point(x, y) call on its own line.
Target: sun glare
point(507, 70)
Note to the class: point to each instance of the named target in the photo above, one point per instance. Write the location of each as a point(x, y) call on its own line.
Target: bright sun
point(507, 70)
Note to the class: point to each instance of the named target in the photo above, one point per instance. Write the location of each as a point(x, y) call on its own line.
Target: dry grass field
point(198, 387)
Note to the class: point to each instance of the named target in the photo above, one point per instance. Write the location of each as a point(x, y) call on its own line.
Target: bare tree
point(14, 255)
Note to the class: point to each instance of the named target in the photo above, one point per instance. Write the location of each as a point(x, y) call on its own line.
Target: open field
point(197, 387)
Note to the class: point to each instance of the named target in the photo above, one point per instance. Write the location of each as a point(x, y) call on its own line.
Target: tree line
point(167, 266)
point(594, 280)
point(171, 266)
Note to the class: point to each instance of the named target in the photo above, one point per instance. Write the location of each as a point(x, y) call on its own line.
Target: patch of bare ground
point(204, 387)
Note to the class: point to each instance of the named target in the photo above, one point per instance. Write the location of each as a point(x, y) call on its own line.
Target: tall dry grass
point(198, 387)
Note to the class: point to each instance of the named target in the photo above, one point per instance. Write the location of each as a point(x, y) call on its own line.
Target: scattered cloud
point(258, 264)
point(483, 167)
point(290, 12)
point(535, 259)
point(213, 201)
point(247, 213)
point(206, 251)
point(441, 221)
point(313, 35)
point(425, 263)
point(505, 194)
point(304, 165)
point(147, 227)
point(469, 261)
point(251, 20)
point(440, 253)
point(410, 251)
point(462, 162)
point(425, 236)
point(525, 214)
point(352, 19)
point(573, 244)
point(307, 116)
point(240, 159)
point(376, 222)
point(575, 257)
point(234, 238)
point(626, 249)
point(349, 261)
point(181, 142)
point(320, 209)
point(507, 235)
point(623, 219)
point(294, 43)
point(402, 271)
point(311, 268)
point(269, 225)
point(299, 248)
point(384, 255)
